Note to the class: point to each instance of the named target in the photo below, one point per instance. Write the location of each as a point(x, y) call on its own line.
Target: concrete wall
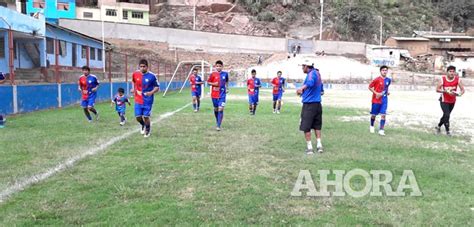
point(339, 47)
point(191, 40)
point(383, 56)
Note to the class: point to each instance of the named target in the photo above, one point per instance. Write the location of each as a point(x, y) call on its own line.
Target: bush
point(266, 16)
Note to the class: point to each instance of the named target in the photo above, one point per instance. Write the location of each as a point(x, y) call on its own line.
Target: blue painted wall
point(51, 11)
point(37, 97)
point(6, 99)
point(4, 60)
point(45, 96)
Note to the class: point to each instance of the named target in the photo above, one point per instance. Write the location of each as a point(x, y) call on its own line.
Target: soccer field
point(187, 173)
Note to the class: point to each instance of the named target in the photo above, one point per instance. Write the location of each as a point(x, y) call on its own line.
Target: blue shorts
point(142, 110)
point(90, 102)
point(253, 99)
point(278, 96)
point(220, 102)
point(379, 108)
point(196, 94)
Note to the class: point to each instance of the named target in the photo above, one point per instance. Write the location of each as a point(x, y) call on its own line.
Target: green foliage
point(266, 16)
point(356, 21)
point(459, 13)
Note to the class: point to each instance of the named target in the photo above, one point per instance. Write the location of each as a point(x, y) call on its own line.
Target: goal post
point(198, 63)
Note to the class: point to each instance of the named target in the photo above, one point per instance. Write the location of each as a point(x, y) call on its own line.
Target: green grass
point(186, 173)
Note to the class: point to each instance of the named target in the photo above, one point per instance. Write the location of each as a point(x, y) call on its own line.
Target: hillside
point(343, 19)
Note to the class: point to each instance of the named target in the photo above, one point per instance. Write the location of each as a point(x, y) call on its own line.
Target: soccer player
point(219, 84)
point(278, 84)
point(145, 85)
point(196, 83)
point(379, 88)
point(88, 85)
point(2, 119)
point(120, 100)
point(253, 87)
point(448, 86)
point(312, 111)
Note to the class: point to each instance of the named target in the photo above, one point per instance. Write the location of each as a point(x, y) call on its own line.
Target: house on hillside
point(464, 62)
point(120, 11)
point(436, 43)
point(30, 45)
point(53, 10)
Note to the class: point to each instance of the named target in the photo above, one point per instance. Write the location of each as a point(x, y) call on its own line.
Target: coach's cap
point(307, 62)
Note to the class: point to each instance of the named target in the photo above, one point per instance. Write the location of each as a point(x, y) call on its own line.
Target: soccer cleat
point(382, 132)
point(274, 111)
point(97, 116)
point(2, 126)
point(448, 133)
point(195, 110)
point(319, 149)
point(122, 123)
point(90, 121)
point(142, 130)
point(372, 129)
point(147, 134)
point(309, 151)
point(278, 112)
point(438, 129)
point(218, 128)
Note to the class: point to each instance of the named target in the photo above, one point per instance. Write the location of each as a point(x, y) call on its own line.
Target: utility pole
point(381, 31)
point(321, 20)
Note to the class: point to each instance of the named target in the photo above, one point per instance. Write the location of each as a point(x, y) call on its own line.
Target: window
point(99, 54)
point(62, 6)
point(125, 14)
point(62, 48)
point(137, 15)
point(2, 47)
point(84, 52)
point(49, 46)
point(88, 15)
point(111, 12)
point(92, 53)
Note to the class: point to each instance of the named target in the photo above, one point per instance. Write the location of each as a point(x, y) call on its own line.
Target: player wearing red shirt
point(448, 86)
point(219, 82)
point(278, 84)
point(88, 85)
point(196, 83)
point(379, 88)
point(253, 87)
point(145, 85)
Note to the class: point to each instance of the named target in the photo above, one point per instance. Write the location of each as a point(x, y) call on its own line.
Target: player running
point(196, 84)
point(253, 87)
point(219, 84)
point(88, 85)
point(120, 100)
point(278, 84)
point(145, 85)
point(379, 88)
point(312, 111)
point(448, 86)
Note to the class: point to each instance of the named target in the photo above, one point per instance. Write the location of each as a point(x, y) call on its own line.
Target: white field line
point(25, 183)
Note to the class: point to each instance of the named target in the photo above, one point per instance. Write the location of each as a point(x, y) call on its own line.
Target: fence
point(62, 90)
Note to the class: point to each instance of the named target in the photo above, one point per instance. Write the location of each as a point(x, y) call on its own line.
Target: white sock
point(309, 145)
point(319, 144)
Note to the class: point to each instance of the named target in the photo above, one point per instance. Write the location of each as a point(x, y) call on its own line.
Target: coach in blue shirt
point(312, 111)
